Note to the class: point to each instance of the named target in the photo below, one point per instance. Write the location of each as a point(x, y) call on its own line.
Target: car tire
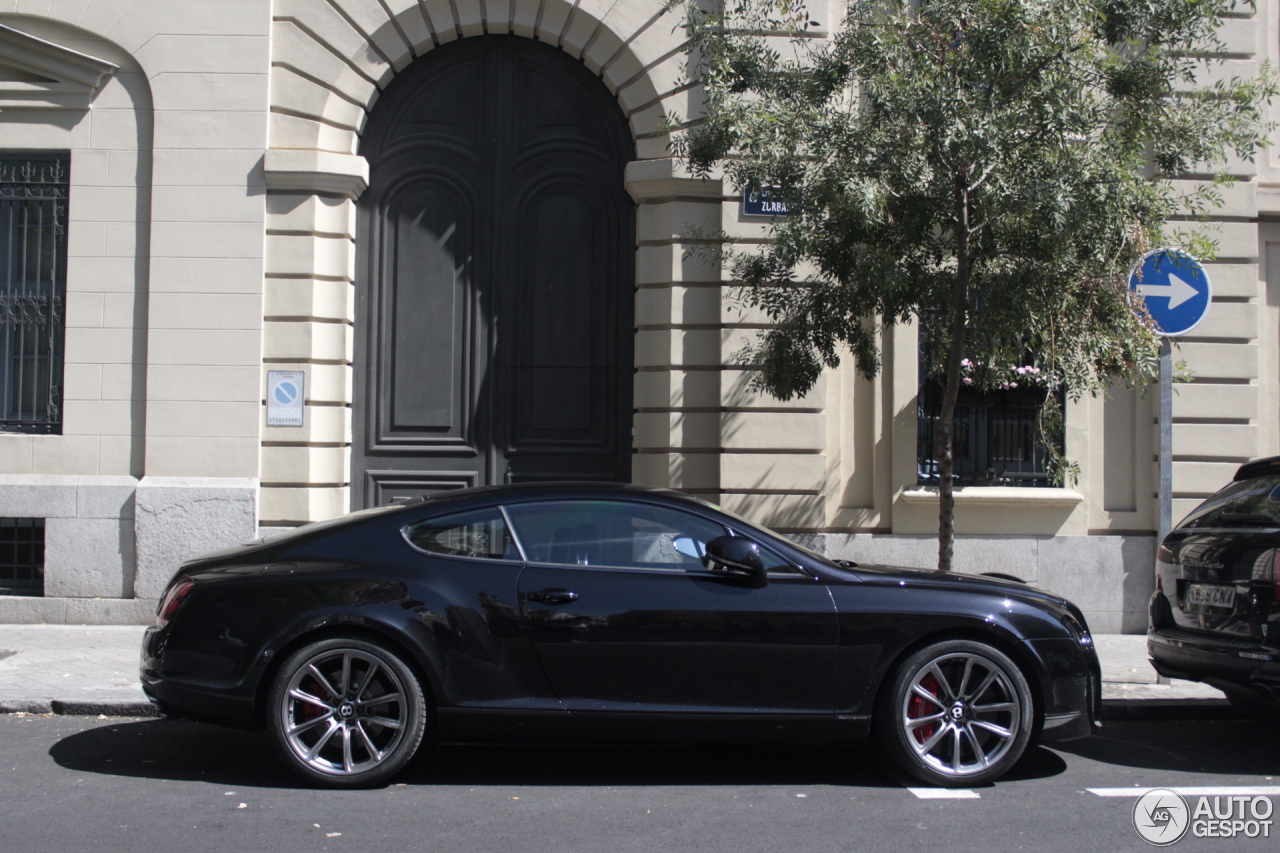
point(955, 714)
point(346, 713)
point(1251, 704)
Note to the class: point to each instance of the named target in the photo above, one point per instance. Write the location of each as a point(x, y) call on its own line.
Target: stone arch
point(330, 63)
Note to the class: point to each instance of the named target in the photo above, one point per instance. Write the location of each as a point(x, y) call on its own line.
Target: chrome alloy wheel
point(961, 714)
point(344, 712)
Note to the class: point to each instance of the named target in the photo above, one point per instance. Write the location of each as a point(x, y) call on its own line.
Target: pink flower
point(1013, 384)
point(968, 381)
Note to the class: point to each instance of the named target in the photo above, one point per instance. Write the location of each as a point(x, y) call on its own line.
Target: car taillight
point(172, 600)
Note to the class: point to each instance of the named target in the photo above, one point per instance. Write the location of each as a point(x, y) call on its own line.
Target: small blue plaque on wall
point(285, 397)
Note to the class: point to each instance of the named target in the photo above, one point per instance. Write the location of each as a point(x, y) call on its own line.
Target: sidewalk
point(93, 669)
point(1131, 689)
point(71, 669)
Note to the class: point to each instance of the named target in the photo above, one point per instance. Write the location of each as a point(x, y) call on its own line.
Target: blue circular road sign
point(1175, 288)
point(286, 392)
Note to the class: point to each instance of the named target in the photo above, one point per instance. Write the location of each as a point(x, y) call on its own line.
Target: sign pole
point(1166, 439)
point(1176, 292)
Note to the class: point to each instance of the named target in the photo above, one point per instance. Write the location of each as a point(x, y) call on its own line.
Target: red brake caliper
point(919, 707)
point(307, 711)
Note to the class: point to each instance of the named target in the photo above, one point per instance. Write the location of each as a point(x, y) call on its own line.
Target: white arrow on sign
point(1176, 291)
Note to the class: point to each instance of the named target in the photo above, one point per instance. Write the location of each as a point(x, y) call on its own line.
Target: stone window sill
point(996, 496)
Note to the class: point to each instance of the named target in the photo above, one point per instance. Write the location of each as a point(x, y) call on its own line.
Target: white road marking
point(1201, 791)
point(945, 794)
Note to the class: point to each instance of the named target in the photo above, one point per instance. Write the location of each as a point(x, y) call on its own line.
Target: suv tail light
point(172, 600)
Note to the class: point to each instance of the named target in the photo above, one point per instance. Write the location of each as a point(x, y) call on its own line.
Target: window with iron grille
point(33, 280)
point(21, 556)
point(994, 433)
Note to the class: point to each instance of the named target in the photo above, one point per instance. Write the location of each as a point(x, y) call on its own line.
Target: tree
point(992, 166)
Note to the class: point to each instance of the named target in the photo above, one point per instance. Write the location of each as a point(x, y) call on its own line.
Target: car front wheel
point(346, 713)
point(956, 713)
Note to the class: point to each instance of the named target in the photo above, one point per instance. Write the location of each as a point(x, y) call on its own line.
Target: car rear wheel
point(346, 713)
point(1251, 704)
point(956, 713)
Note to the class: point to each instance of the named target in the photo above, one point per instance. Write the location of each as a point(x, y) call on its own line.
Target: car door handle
point(552, 595)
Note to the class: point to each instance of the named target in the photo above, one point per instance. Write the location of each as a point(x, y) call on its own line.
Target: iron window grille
point(994, 433)
point(33, 280)
point(21, 556)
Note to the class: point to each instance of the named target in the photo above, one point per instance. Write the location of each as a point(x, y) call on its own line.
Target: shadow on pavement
point(1037, 763)
point(186, 751)
point(1221, 746)
point(175, 749)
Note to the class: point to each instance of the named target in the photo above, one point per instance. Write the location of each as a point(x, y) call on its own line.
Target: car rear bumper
point(1226, 664)
point(185, 698)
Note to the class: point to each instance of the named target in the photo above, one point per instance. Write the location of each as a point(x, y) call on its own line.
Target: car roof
point(1257, 468)
point(461, 499)
point(576, 488)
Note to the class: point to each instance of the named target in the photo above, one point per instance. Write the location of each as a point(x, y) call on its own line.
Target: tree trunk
point(955, 353)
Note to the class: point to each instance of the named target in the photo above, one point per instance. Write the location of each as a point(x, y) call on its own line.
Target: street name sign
point(1175, 288)
point(761, 203)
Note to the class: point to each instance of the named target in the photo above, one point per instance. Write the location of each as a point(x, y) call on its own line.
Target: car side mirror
point(737, 555)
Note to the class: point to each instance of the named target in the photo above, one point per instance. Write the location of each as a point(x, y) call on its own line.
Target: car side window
point(612, 533)
point(480, 534)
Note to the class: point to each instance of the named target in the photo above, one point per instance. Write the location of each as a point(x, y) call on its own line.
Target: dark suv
point(1214, 615)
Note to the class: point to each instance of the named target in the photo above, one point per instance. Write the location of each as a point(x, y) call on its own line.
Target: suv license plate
point(1200, 595)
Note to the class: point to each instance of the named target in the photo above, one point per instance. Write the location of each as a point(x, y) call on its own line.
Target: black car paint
point(1236, 648)
point(806, 661)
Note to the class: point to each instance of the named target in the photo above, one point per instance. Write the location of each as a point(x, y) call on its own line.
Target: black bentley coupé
point(606, 612)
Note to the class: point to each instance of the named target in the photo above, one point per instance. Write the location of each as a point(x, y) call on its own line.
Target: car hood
point(873, 573)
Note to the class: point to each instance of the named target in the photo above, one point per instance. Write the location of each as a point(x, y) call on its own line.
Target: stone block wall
point(164, 289)
point(213, 232)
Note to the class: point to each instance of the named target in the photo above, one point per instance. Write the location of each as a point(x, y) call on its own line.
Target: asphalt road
point(72, 784)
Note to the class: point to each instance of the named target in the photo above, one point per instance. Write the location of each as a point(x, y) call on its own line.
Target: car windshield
point(1247, 503)
point(751, 525)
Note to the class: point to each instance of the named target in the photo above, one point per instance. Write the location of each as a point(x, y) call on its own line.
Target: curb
point(80, 708)
point(1168, 710)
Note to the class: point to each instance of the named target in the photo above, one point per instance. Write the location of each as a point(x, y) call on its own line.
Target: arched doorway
point(494, 283)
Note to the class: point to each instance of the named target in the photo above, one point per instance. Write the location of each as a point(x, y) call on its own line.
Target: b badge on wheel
point(1161, 817)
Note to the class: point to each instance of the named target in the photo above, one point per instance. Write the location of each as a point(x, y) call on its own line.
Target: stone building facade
point(233, 206)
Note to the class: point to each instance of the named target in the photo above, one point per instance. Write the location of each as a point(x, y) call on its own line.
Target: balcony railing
point(994, 437)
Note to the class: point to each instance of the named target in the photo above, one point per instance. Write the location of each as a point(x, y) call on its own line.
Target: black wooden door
point(494, 284)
